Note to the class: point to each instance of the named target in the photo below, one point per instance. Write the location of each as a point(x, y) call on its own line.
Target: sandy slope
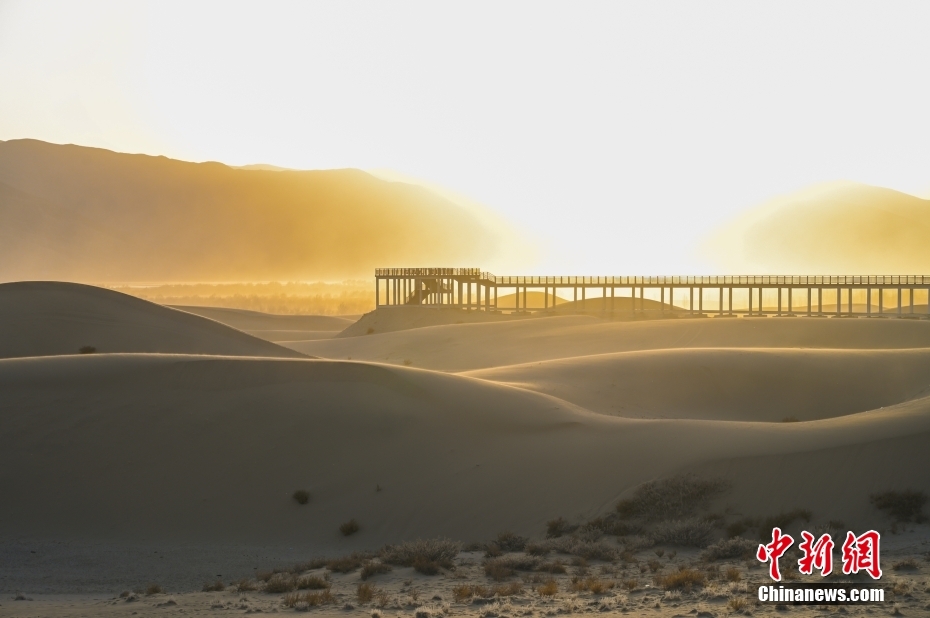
point(395, 318)
point(463, 347)
point(44, 318)
point(273, 327)
point(761, 384)
point(149, 447)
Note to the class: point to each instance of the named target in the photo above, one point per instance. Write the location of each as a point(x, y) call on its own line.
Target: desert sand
point(171, 455)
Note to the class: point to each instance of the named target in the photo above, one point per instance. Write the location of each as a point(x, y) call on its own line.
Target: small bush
point(671, 498)
point(87, 349)
point(729, 549)
point(382, 599)
point(908, 564)
point(315, 599)
point(349, 528)
point(365, 593)
point(508, 541)
point(537, 549)
point(903, 506)
point(557, 527)
point(493, 550)
point(408, 362)
point(153, 589)
point(310, 582)
point(790, 419)
point(347, 564)
point(245, 585)
point(593, 585)
point(503, 567)
point(216, 586)
point(374, 568)
point(782, 520)
point(682, 579)
point(439, 551)
point(631, 584)
point(737, 604)
point(733, 575)
point(554, 567)
point(549, 588)
point(426, 566)
point(498, 571)
point(281, 582)
point(508, 590)
point(302, 496)
point(687, 533)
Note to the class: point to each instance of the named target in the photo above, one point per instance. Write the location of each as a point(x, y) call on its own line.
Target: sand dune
point(763, 384)
point(464, 347)
point(396, 318)
point(243, 434)
point(48, 318)
point(273, 327)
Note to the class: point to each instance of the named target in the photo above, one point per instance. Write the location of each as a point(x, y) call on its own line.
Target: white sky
point(617, 134)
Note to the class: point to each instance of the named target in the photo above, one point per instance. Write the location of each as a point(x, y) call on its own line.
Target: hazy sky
point(617, 134)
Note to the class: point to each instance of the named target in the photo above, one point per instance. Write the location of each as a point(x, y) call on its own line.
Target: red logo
point(773, 551)
point(860, 553)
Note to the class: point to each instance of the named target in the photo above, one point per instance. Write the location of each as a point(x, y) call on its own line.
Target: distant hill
point(77, 213)
point(834, 228)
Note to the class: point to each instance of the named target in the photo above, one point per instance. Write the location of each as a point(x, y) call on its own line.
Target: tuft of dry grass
point(87, 349)
point(216, 586)
point(733, 574)
point(729, 549)
point(907, 564)
point(301, 496)
point(555, 567)
point(672, 498)
point(309, 582)
point(313, 599)
point(407, 362)
point(902, 506)
point(737, 604)
point(508, 541)
point(682, 579)
point(439, 552)
point(594, 585)
point(153, 589)
point(347, 564)
point(373, 568)
point(557, 527)
point(245, 585)
point(686, 533)
point(365, 593)
point(280, 582)
point(631, 584)
point(548, 589)
point(349, 528)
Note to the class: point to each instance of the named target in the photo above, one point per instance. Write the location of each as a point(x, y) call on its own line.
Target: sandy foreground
point(171, 455)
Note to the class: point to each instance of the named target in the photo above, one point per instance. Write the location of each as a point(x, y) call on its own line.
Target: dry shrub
point(216, 586)
point(372, 568)
point(686, 533)
point(349, 528)
point(900, 587)
point(462, 593)
point(631, 584)
point(728, 549)
point(594, 585)
point(245, 585)
point(301, 496)
point(654, 565)
point(737, 604)
point(682, 579)
point(365, 593)
point(902, 506)
point(87, 349)
point(671, 498)
point(557, 527)
point(280, 582)
point(733, 575)
point(441, 552)
point(548, 589)
point(347, 564)
point(537, 549)
point(508, 541)
point(782, 520)
point(154, 589)
point(508, 590)
point(493, 550)
point(315, 599)
point(908, 564)
point(426, 566)
point(310, 582)
point(504, 566)
point(555, 567)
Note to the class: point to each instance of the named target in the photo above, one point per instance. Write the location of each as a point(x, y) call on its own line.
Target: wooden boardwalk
point(472, 289)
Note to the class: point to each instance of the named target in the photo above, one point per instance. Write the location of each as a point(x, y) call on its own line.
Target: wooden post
point(808, 302)
point(779, 300)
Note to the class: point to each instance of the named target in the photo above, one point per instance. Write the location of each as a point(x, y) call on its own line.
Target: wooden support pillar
point(899, 301)
point(377, 292)
point(583, 291)
point(662, 299)
point(809, 290)
point(839, 298)
point(750, 300)
point(701, 300)
point(730, 302)
point(819, 301)
point(720, 306)
point(790, 303)
point(779, 300)
point(691, 300)
point(671, 299)
point(468, 299)
point(911, 296)
point(868, 301)
point(526, 305)
point(881, 301)
point(850, 301)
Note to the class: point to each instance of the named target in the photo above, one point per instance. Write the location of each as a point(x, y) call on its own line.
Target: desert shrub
point(302, 496)
point(537, 549)
point(782, 520)
point(554, 567)
point(315, 599)
point(686, 533)
point(906, 565)
point(216, 586)
point(594, 585)
point(347, 564)
point(245, 585)
point(281, 582)
point(370, 331)
point(548, 589)
point(733, 575)
point(903, 506)
point(508, 590)
point(374, 568)
point(382, 599)
point(504, 566)
point(291, 599)
point(631, 584)
point(654, 565)
point(426, 566)
point(408, 362)
point(154, 589)
point(682, 579)
point(493, 550)
point(508, 541)
point(365, 593)
point(498, 571)
point(349, 528)
point(790, 419)
point(900, 587)
point(462, 593)
point(671, 498)
point(729, 549)
point(595, 550)
point(87, 349)
point(439, 551)
point(737, 604)
point(557, 527)
point(310, 582)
